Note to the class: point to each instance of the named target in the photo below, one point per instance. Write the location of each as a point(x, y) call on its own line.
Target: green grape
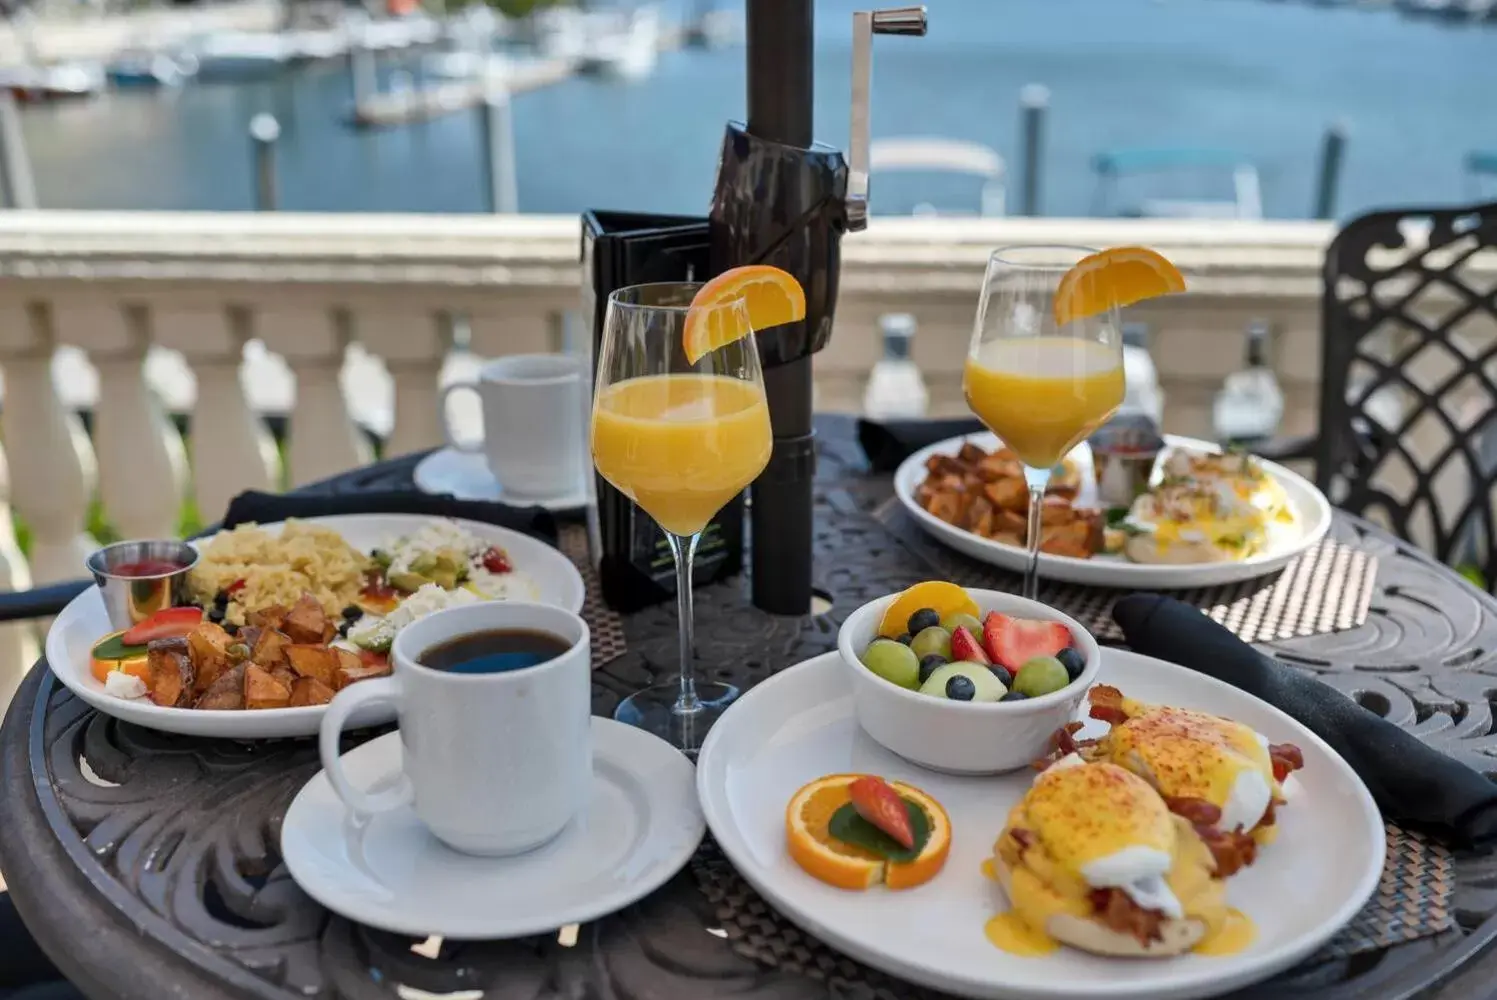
point(933, 641)
point(1041, 675)
point(894, 662)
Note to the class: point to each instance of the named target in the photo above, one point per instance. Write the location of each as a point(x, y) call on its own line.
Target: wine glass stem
point(1037, 479)
point(684, 550)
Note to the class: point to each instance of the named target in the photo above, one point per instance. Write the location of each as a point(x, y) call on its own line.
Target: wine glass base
point(654, 711)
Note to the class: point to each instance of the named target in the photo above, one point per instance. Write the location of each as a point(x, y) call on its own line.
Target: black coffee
point(494, 652)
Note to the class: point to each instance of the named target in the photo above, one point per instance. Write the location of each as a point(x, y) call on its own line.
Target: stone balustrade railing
point(115, 285)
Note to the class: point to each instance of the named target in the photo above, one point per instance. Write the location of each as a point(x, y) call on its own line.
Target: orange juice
point(1043, 395)
point(681, 446)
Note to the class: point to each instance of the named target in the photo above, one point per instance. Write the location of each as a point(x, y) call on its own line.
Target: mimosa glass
point(680, 440)
point(1040, 385)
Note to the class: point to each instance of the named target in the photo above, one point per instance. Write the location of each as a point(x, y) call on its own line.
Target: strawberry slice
point(171, 623)
point(964, 646)
point(1013, 642)
point(880, 805)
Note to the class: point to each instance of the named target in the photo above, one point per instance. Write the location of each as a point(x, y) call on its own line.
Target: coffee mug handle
point(471, 447)
point(384, 690)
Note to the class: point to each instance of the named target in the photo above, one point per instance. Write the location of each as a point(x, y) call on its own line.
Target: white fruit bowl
point(962, 737)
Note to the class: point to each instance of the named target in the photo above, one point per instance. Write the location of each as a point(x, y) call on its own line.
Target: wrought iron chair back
point(1408, 407)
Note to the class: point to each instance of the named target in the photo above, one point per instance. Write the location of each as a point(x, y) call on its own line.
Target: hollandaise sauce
point(1009, 933)
point(1234, 935)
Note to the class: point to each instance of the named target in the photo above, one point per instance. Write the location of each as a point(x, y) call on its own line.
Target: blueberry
point(1014, 696)
point(905, 638)
point(929, 664)
point(216, 615)
point(923, 619)
point(959, 688)
point(352, 612)
point(221, 599)
point(1072, 660)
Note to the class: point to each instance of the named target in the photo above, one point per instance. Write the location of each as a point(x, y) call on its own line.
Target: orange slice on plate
point(942, 597)
point(848, 866)
point(771, 297)
point(1114, 278)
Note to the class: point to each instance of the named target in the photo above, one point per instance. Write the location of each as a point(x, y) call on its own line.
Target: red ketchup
point(147, 567)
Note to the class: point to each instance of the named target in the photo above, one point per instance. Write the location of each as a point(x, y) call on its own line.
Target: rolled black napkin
point(1412, 783)
point(263, 508)
point(887, 443)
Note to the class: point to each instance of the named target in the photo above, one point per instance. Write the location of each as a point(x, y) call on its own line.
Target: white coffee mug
point(533, 414)
point(494, 764)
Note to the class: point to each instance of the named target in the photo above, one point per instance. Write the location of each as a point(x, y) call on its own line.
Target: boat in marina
point(143, 68)
point(241, 55)
point(626, 46)
point(53, 81)
point(921, 154)
point(1227, 183)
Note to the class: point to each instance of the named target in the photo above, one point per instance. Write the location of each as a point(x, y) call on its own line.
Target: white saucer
point(642, 826)
point(467, 477)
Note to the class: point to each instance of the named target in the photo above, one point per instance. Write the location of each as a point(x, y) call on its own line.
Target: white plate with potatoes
point(84, 622)
point(1312, 519)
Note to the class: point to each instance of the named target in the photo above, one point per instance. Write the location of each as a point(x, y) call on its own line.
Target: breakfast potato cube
point(226, 693)
point(311, 660)
point(352, 668)
point(310, 691)
point(284, 674)
point(270, 617)
point(269, 648)
point(170, 673)
point(264, 691)
point(306, 621)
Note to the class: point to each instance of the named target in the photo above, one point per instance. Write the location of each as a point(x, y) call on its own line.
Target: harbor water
point(1261, 78)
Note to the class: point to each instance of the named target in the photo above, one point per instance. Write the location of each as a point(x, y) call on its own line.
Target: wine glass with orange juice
point(680, 426)
point(1045, 366)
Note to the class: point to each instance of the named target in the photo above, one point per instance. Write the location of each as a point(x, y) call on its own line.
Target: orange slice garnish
point(942, 597)
point(848, 866)
point(1114, 278)
point(771, 297)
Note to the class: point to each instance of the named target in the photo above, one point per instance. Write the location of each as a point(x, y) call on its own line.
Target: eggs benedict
point(1190, 521)
point(1240, 472)
point(1091, 857)
point(1222, 776)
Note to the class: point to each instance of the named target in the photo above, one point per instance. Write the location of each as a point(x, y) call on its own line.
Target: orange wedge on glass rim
point(1114, 278)
point(771, 297)
point(848, 866)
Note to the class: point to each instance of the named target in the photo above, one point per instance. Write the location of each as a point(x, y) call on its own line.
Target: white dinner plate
point(640, 827)
point(799, 725)
point(467, 477)
point(84, 621)
point(1312, 521)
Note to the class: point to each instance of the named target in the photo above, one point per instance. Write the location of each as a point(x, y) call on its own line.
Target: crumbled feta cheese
point(119, 684)
point(434, 536)
point(374, 632)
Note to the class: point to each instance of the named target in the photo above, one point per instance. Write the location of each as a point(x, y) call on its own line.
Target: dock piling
point(17, 186)
point(1328, 176)
point(1034, 102)
point(497, 149)
point(264, 130)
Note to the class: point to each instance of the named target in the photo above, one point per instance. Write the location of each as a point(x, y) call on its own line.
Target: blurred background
point(139, 106)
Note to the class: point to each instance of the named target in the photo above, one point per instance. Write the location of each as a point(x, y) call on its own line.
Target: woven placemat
point(1412, 901)
point(606, 625)
point(1327, 589)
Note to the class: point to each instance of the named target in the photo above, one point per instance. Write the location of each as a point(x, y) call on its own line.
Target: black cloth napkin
point(887, 443)
point(1413, 784)
point(263, 508)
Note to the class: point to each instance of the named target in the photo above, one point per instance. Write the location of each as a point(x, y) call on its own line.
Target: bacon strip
point(1107, 704)
point(1286, 758)
point(1231, 850)
point(1115, 910)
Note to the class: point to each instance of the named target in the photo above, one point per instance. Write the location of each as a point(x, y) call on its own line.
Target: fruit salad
point(935, 640)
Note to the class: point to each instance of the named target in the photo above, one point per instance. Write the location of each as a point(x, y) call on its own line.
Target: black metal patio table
point(147, 866)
